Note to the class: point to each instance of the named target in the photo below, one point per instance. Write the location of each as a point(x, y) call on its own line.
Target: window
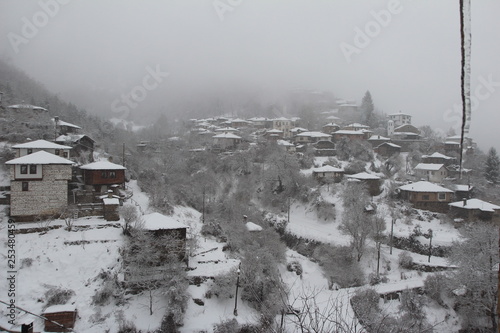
point(30, 151)
point(112, 174)
point(33, 169)
point(25, 186)
point(425, 197)
point(58, 152)
point(441, 196)
point(24, 169)
point(104, 174)
point(65, 154)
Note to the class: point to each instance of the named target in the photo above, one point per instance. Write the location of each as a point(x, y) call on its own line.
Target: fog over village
point(249, 166)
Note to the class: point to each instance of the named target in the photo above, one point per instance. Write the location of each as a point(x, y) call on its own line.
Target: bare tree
point(355, 221)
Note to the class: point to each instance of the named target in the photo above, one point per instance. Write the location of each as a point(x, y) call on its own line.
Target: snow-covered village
point(219, 208)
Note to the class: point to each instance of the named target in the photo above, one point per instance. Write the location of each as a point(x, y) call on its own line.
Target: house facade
point(435, 173)
point(312, 137)
point(426, 195)
point(226, 141)
point(372, 182)
point(283, 124)
point(328, 172)
point(39, 185)
point(475, 209)
point(31, 147)
point(103, 175)
point(388, 149)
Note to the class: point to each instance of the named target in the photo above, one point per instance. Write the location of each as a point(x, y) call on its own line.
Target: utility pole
point(288, 215)
point(430, 245)
point(392, 233)
point(203, 211)
point(235, 312)
point(123, 154)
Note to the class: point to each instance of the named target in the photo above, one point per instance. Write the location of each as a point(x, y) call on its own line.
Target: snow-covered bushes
point(434, 286)
point(365, 304)
point(405, 260)
point(294, 266)
point(223, 286)
point(58, 295)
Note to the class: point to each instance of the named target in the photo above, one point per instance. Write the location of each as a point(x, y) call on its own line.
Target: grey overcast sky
point(407, 53)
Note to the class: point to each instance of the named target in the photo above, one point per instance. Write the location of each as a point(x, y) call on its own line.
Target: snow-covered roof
point(71, 138)
point(364, 176)
point(281, 119)
point(257, 119)
point(348, 132)
point(111, 201)
point(226, 136)
point(314, 134)
point(40, 157)
point(157, 221)
point(476, 204)
point(226, 129)
point(378, 137)
point(64, 123)
point(277, 131)
point(424, 186)
point(358, 125)
point(429, 166)
point(60, 308)
point(389, 144)
point(327, 168)
point(285, 143)
point(438, 155)
point(460, 187)
point(102, 165)
point(253, 227)
point(40, 144)
point(331, 125)
point(26, 106)
point(452, 143)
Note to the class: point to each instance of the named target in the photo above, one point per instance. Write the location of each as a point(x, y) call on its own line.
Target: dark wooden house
point(475, 209)
point(64, 315)
point(388, 149)
point(426, 195)
point(372, 182)
point(102, 175)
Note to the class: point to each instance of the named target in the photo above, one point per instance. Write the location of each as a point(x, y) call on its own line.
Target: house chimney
point(245, 218)
point(465, 202)
point(110, 194)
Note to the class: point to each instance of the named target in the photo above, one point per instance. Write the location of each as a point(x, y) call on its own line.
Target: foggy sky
point(410, 63)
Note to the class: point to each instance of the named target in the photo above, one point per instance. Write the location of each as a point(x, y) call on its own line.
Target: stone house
point(39, 185)
point(426, 195)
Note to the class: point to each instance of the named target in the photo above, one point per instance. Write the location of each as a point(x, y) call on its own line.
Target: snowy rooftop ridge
point(40, 157)
point(327, 168)
point(64, 123)
point(363, 176)
point(424, 186)
point(102, 165)
point(438, 155)
point(26, 106)
point(429, 166)
point(314, 134)
point(475, 204)
point(157, 221)
point(226, 136)
point(40, 144)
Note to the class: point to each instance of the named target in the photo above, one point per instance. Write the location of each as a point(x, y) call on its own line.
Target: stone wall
point(44, 197)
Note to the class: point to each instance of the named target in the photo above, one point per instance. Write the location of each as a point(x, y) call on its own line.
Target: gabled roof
point(438, 155)
point(378, 137)
point(26, 106)
point(285, 143)
point(363, 176)
point(327, 168)
point(226, 129)
point(475, 204)
point(314, 134)
point(358, 125)
point(72, 138)
point(226, 136)
point(40, 144)
point(429, 166)
point(390, 144)
point(64, 123)
point(157, 221)
point(424, 186)
point(40, 157)
point(349, 132)
point(102, 165)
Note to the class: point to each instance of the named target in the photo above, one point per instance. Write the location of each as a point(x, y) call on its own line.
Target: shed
point(65, 315)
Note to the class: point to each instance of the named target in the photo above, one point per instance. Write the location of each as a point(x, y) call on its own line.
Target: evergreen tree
point(492, 172)
point(367, 109)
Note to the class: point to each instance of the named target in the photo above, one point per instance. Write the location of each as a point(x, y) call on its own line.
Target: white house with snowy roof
point(41, 145)
point(226, 141)
point(328, 172)
point(39, 185)
point(312, 137)
point(435, 173)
